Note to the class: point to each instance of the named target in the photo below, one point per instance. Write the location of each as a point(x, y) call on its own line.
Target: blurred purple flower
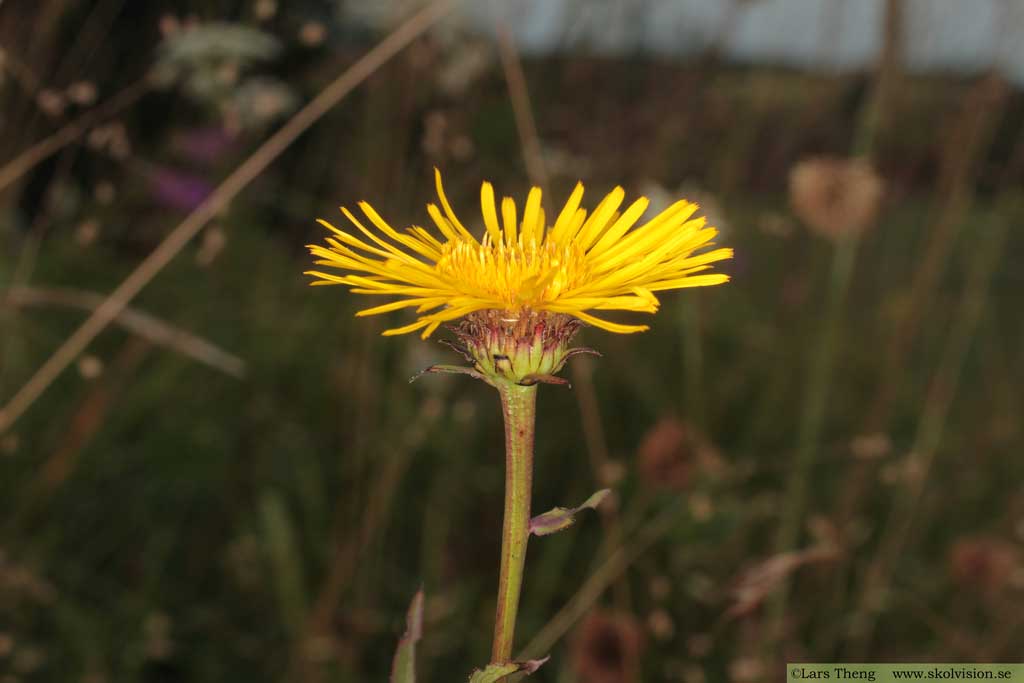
point(179, 189)
point(204, 145)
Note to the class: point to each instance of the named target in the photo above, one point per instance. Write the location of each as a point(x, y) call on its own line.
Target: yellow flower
point(579, 263)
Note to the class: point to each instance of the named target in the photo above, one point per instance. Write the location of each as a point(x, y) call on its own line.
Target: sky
point(965, 36)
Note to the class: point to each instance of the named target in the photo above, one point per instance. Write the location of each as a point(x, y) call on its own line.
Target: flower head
point(578, 263)
point(835, 197)
point(607, 648)
point(672, 453)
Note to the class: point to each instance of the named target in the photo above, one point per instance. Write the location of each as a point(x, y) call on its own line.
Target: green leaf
point(563, 518)
point(495, 672)
point(403, 668)
point(285, 559)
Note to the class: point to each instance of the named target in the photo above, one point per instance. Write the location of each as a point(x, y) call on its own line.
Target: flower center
point(519, 276)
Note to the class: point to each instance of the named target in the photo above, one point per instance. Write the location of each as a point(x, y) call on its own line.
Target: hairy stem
point(518, 405)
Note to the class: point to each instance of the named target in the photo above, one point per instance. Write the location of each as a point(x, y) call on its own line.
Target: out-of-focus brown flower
point(607, 648)
point(670, 453)
point(984, 563)
point(835, 197)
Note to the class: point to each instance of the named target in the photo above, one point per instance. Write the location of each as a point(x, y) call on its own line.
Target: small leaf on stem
point(450, 370)
point(403, 668)
point(563, 518)
point(530, 380)
point(495, 672)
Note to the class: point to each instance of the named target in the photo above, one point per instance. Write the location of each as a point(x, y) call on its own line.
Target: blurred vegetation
point(163, 518)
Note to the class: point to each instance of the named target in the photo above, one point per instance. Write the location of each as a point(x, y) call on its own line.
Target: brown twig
point(519, 94)
point(237, 181)
point(143, 324)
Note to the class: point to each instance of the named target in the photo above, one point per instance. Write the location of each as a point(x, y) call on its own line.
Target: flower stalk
point(519, 408)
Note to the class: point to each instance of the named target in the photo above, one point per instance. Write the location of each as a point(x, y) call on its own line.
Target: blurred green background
point(818, 461)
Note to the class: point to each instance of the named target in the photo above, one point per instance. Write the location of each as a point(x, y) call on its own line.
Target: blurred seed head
point(18, 583)
point(90, 367)
point(435, 125)
point(693, 674)
point(775, 224)
point(610, 474)
point(9, 443)
point(660, 624)
point(560, 161)
point(462, 148)
point(112, 138)
point(670, 453)
point(985, 564)
point(169, 25)
point(156, 629)
point(700, 587)
point(242, 561)
point(699, 645)
point(228, 73)
point(51, 102)
point(701, 507)
point(659, 587)
point(312, 34)
point(825, 533)
point(465, 66)
point(746, 669)
point(871, 446)
point(82, 93)
point(423, 55)
point(606, 648)
point(105, 192)
point(835, 197)
point(265, 9)
point(320, 649)
point(28, 660)
point(908, 470)
point(87, 232)
point(258, 102)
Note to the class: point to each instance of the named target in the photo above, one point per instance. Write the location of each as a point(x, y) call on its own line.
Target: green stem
point(519, 407)
point(812, 418)
point(692, 359)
